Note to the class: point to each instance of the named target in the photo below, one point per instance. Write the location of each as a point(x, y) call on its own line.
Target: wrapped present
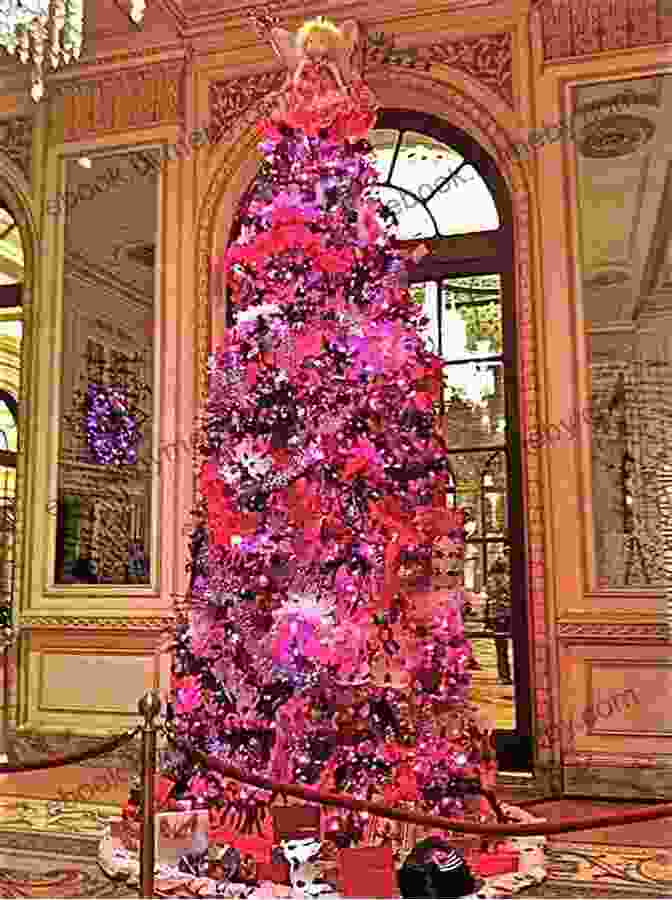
point(295, 822)
point(499, 862)
point(163, 793)
point(278, 872)
point(368, 872)
point(259, 848)
point(181, 834)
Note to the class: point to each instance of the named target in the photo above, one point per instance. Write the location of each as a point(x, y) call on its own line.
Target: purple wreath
point(111, 426)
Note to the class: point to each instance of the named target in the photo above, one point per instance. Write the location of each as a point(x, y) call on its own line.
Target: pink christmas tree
point(322, 478)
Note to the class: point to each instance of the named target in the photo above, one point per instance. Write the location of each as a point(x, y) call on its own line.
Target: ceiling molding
point(78, 266)
point(657, 256)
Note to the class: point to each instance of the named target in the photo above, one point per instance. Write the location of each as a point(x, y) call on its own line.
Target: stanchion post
point(149, 707)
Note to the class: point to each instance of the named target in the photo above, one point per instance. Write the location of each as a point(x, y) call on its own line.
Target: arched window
point(447, 193)
point(11, 330)
point(8, 422)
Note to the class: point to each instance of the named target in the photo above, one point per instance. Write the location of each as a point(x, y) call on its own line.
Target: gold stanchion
point(149, 707)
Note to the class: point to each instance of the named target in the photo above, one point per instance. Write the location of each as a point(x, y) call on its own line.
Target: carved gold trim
point(127, 99)
point(572, 28)
point(19, 198)
point(16, 140)
point(610, 631)
point(243, 149)
point(127, 623)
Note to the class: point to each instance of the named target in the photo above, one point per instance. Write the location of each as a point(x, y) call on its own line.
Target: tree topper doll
point(323, 88)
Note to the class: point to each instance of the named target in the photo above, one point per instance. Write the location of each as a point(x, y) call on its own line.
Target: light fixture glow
point(40, 31)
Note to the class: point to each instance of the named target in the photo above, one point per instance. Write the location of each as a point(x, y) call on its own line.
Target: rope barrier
point(475, 785)
point(100, 750)
point(312, 795)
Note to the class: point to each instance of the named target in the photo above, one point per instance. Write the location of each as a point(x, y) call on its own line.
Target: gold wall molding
point(488, 58)
point(97, 275)
point(125, 100)
point(608, 631)
point(16, 192)
point(123, 623)
point(16, 140)
point(573, 28)
point(231, 99)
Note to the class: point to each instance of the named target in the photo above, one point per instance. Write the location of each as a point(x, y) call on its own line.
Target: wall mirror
point(105, 507)
point(623, 151)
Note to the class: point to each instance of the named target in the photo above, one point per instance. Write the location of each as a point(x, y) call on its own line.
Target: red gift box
point(499, 863)
point(259, 848)
point(292, 823)
point(368, 872)
point(277, 872)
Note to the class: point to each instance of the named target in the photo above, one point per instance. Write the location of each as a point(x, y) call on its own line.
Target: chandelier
point(51, 30)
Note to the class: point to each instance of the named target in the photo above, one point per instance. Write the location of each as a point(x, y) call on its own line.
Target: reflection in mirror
point(624, 141)
point(104, 506)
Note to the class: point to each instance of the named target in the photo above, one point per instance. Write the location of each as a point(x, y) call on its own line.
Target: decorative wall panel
point(106, 683)
point(16, 137)
point(487, 58)
point(133, 99)
point(583, 27)
point(88, 682)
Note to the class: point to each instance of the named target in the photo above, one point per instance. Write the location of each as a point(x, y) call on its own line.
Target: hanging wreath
point(111, 425)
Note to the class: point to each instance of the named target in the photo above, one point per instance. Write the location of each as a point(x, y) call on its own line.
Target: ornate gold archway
point(16, 196)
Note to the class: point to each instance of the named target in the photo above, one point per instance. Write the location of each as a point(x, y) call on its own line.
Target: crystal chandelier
point(47, 29)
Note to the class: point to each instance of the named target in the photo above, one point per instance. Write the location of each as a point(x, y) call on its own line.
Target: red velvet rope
point(563, 826)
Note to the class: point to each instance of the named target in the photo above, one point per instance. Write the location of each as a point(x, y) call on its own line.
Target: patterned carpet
point(576, 871)
point(602, 870)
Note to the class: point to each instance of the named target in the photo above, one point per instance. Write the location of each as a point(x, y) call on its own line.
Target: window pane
point(427, 294)
point(8, 433)
point(474, 413)
point(474, 311)
point(482, 485)
point(423, 163)
point(11, 247)
point(464, 205)
point(384, 141)
point(414, 220)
